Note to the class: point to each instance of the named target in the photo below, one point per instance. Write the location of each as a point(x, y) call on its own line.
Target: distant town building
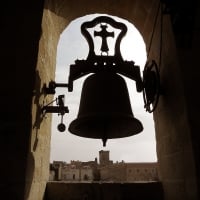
point(70, 172)
point(56, 169)
point(74, 171)
point(104, 158)
point(106, 170)
point(129, 172)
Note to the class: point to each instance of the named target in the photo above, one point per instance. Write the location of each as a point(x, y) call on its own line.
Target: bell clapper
point(61, 127)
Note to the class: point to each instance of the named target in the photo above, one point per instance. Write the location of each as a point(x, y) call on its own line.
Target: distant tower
point(104, 157)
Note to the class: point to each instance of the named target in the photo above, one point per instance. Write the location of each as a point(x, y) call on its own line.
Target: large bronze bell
point(105, 110)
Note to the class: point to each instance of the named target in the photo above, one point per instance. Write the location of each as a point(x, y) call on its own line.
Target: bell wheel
point(151, 86)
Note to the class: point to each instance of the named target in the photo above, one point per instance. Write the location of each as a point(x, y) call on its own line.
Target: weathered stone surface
point(104, 191)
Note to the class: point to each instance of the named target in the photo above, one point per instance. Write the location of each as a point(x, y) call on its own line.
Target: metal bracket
point(51, 88)
point(61, 109)
point(55, 109)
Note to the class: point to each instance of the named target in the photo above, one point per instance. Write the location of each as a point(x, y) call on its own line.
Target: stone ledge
point(103, 191)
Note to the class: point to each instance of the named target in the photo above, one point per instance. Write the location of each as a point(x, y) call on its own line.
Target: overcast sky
point(66, 146)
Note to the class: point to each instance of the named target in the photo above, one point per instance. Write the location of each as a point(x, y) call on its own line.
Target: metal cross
point(104, 34)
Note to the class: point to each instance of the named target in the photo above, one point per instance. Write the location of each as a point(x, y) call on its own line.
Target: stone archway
point(173, 139)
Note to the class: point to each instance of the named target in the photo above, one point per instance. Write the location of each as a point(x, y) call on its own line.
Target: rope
point(153, 31)
point(161, 39)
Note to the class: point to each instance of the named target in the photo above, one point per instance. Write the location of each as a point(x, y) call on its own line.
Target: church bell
point(105, 110)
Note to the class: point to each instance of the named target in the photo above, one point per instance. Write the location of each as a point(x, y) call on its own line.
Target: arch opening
point(65, 146)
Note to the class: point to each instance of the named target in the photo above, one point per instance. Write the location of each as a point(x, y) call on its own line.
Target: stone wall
point(172, 127)
point(39, 149)
point(104, 191)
